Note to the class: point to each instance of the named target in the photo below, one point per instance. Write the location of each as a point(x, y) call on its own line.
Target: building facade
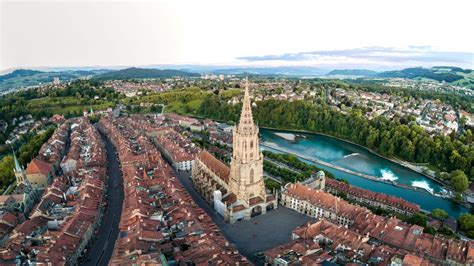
point(237, 192)
point(24, 196)
point(319, 204)
point(39, 173)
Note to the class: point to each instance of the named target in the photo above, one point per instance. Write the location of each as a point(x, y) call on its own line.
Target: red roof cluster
point(63, 222)
point(389, 230)
point(370, 196)
point(180, 149)
point(159, 218)
point(53, 150)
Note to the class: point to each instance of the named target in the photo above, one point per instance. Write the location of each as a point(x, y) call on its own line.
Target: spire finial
point(18, 167)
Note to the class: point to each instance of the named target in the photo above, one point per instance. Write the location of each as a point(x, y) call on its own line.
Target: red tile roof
point(325, 200)
point(411, 260)
point(38, 167)
point(218, 167)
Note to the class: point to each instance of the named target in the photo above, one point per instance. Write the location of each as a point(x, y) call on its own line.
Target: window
point(251, 144)
point(251, 175)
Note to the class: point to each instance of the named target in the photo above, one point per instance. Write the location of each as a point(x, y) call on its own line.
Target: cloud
point(375, 56)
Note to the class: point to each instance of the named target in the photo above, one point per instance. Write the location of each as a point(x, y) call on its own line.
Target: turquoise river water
point(360, 160)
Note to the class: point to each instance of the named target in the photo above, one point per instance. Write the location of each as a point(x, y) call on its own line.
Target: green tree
point(439, 214)
point(459, 180)
point(466, 224)
point(419, 219)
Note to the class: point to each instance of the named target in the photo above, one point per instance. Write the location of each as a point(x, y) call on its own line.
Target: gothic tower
point(19, 172)
point(246, 168)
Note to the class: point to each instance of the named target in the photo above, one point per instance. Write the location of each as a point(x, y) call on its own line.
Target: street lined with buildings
point(102, 246)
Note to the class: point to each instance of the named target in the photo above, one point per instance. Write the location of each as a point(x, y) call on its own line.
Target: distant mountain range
point(141, 73)
point(285, 71)
point(25, 78)
point(352, 72)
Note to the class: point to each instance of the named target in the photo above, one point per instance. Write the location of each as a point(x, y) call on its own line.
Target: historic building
point(24, 196)
point(40, 173)
point(363, 196)
point(319, 204)
point(237, 192)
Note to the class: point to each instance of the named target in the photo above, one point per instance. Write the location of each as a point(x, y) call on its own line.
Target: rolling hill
point(452, 75)
point(352, 72)
point(142, 73)
point(22, 78)
point(281, 70)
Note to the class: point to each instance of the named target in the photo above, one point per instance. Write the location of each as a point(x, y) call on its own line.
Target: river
point(358, 159)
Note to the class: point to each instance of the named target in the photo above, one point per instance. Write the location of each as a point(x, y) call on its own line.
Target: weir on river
point(361, 168)
point(315, 160)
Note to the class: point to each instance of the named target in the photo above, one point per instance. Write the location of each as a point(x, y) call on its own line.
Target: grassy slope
point(63, 105)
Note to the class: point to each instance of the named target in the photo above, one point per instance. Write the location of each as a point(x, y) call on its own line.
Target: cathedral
point(236, 192)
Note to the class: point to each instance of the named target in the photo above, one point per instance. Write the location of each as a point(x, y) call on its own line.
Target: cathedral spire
point(19, 172)
point(246, 119)
point(18, 167)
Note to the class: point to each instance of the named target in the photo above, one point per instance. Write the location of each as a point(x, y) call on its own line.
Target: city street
point(258, 234)
point(101, 249)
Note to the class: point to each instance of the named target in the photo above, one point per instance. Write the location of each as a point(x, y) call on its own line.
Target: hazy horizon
point(326, 35)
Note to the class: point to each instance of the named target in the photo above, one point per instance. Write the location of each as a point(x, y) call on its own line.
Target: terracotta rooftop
point(38, 167)
point(325, 200)
point(412, 260)
point(218, 167)
point(373, 196)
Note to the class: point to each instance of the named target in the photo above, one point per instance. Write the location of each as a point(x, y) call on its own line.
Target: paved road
point(101, 249)
point(259, 233)
point(283, 165)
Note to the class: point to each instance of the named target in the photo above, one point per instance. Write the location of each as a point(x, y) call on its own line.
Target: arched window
point(251, 175)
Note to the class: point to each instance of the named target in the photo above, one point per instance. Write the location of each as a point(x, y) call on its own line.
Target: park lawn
point(230, 93)
point(175, 107)
point(77, 109)
point(195, 104)
point(52, 102)
point(183, 108)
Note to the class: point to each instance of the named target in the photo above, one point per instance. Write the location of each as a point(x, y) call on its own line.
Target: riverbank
point(404, 164)
point(342, 169)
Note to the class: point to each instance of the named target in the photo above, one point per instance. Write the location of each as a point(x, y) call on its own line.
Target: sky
point(332, 34)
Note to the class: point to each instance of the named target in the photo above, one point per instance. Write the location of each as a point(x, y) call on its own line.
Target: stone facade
point(239, 192)
point(319, 204)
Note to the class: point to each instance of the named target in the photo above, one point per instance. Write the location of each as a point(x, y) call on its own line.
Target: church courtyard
point(257, 234)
